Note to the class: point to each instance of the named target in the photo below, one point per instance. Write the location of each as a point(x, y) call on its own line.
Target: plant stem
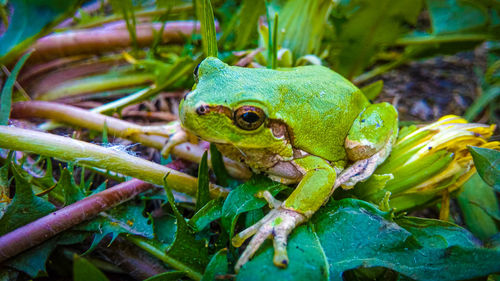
point(87, 154)
point(94, 121)
point(97, 83)
point(138, 14)
point(46, 227)
point(433, 39)
point(104, 39)
point(377, 71)
point(160, 254)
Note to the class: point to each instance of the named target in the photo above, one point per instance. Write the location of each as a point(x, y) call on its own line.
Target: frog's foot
point(278, 223)
point(177, 138)
point(360, 170)
point(160, 130)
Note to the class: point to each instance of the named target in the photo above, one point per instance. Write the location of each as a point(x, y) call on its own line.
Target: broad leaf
point(165, 228)
point(364, 27)
point(69, 189)
point(32, 261)
point(216, 266)
point(487, 162)
point(249, 14)
point(307, 260)
point(30, 20)
point(242, 199)
point(354, 233)
point(185, 245)
point(83, 270)
point(466, 16)
point(125, 218)
point(25, 206)
point(479, 203)
point(210, 212)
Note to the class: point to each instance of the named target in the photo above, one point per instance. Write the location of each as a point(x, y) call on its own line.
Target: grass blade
point(206, 18)
point(6, 96)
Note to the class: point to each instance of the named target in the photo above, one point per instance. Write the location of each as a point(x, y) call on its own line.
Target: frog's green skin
point(316, 122)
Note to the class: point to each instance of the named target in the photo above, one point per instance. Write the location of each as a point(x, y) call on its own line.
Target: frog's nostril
point(203, 109)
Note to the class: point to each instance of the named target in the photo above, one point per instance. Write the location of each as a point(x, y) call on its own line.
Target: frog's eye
point(249, 117)
point(195, 73)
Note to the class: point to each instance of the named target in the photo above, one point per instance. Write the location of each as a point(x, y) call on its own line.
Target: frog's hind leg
point(369, 142)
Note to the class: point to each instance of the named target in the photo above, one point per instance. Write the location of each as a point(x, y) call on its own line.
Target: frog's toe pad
point(278, 224)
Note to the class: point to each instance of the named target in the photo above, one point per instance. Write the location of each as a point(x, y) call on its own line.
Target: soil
point(425, 90)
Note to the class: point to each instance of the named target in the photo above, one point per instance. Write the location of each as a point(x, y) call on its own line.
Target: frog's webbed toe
point(177, 138)
point(278, 224)
point(359, 170)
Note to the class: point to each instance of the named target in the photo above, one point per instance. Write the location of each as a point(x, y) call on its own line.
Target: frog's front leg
point(369, 142)
point(312, 191)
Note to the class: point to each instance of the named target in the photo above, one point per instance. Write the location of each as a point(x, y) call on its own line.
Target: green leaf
point(455, 16)
point(354, 233)
point(125, 218)
point(126, 8)
point(364, 28)
point(6, 95)
point(210, 212)
point(32, 261)
point(307, 260)
point(487, 162)
point(7, 274)
point(203, 193)
point(30, 20)
point(168, 276)
point(25, 206)
point(206, 17)
point(69, 189)
point(216, 266)
point(242, 199)
point(165, 228)
point(304, 24)
point(83, 270)
point(249, 15)
point(218, 166)
point(488, 96)
point(476, 200)
point(186, 248)
point(372, 90)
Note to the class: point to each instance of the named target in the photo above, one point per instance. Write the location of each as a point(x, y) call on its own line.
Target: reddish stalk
point(46, 227)
point(104, 39)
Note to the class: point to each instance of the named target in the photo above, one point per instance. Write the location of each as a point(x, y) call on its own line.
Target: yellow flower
point(427, 163)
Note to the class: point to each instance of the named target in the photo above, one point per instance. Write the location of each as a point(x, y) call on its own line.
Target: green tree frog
point(306, 125)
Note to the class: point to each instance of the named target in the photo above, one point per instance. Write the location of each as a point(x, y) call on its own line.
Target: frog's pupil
point(250, 117)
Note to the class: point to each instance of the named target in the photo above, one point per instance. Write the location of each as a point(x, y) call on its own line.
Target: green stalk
point(162, 255)
point(275, 42)
point(98, 83)
point(178, 71)
point(433, 39)
point(92, 155)
point(119, 128)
